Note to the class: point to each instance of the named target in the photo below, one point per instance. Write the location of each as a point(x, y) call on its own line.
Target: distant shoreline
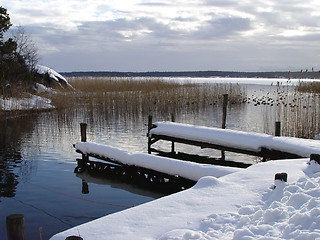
point(197, 74)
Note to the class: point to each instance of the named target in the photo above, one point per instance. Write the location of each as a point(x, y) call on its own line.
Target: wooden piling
point(149, 137)
point(15, 227)
point(74, 238)
point(281, 176)
point(83, 129)
point(85, 158)
point(277, 129)
point(224, 110)
point(172, 143)
point(315, 157)
point(224, 119)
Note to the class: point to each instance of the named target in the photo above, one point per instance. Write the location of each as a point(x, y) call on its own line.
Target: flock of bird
point(278, 98)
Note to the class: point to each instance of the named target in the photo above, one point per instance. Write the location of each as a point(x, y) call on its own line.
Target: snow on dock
point(189, 170)
point(248, 141)
point(241, 205)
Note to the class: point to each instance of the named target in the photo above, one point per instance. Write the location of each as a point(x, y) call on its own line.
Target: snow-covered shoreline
point(241, 205)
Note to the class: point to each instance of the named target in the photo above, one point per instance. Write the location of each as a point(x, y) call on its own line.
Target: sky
point(166, 35)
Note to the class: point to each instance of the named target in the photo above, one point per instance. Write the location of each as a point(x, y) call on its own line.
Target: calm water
point(38, 150)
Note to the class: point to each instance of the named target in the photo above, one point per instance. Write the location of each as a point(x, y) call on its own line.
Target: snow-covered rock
point(54, 76)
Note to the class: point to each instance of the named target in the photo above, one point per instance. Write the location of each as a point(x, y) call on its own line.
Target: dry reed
point(127, 96)
point(298, 110)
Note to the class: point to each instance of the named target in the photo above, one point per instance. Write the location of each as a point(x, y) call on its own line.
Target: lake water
point(38, 150)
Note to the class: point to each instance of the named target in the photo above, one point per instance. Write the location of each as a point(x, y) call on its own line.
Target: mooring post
point(281, 176)
point(149, 137)
point(85, 187)
point(15, 227)
point(224, 119)
point(277, 129)
point(172, 143)
point(83, 129)
point(224, 110)
point(85, 158)
point(315, 157)
point(74, 238)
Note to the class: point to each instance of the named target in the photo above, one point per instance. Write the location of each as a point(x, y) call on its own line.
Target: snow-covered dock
point(256, 144)
point(244, 142)
point(173, 167)
point(241, 205)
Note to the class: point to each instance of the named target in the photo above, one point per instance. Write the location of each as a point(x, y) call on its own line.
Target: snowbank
point(241, 205)
point(189, 170)
point(238, 139)
point(26, 103)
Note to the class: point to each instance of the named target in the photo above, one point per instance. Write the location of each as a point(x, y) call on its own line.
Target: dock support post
point(85, 158)
point(224, 110)
point(277, 129)
point(83, 129)
point(15, 227)
point(224, 119)
point(149, 137)
point(172, 143)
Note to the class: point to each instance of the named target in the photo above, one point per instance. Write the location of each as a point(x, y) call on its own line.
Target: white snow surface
point(237, 139)
point(241, 205)
point(189, 170)
point(26, 103)
point(52, 74)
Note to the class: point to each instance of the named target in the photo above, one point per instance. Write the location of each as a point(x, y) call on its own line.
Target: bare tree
point(26, 48)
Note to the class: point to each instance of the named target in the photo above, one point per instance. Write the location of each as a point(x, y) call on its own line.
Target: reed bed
point(129, 96)
point(298, 109)
point(308, 87)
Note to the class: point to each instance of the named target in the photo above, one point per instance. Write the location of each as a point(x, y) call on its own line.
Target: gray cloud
point(223, 27)
point(161, 35)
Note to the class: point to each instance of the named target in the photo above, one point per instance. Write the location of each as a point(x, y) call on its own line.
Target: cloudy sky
point(172, 35)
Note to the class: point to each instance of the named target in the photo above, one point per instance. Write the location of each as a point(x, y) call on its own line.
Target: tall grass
point(298, 109)
point(126, 96)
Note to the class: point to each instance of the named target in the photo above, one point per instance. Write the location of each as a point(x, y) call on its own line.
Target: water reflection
point(11, 161)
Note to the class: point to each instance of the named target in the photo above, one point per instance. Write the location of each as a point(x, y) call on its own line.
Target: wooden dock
point(164, 173)
point(141, 177)
point(266, 153)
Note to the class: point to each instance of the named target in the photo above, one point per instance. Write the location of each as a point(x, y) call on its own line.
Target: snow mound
point(290, 211)
point(207, 182)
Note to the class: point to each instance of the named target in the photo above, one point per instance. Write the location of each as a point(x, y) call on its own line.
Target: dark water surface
point(38, 150)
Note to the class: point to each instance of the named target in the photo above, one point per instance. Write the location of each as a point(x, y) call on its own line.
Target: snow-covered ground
point(240, 205)
point(31, 101)
point(26, 103)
